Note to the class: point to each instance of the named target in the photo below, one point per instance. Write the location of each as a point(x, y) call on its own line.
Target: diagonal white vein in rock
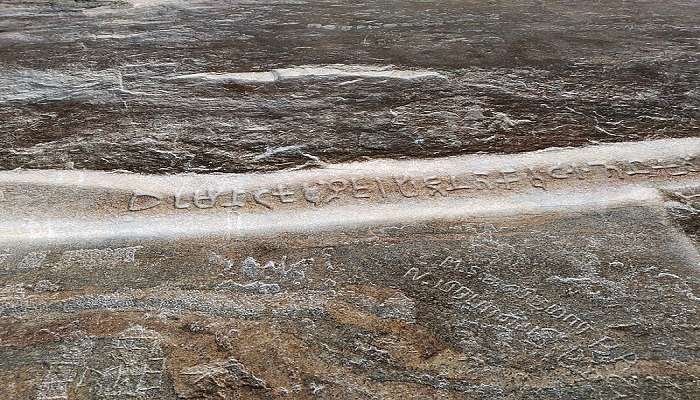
point(664, 149)
point(88, 205)
point(314, 71)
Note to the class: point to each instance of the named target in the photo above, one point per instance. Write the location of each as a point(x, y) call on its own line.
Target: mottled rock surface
point(568, 274)
point(349, 200)
point(134, 85)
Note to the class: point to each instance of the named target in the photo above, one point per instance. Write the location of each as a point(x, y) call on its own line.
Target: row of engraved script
point(539, 336)
point(326, 191)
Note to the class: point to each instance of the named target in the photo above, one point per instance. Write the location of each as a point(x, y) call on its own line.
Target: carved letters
point(566, 324)
point(327, 191)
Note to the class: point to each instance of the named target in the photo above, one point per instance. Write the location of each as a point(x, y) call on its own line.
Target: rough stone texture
point(565, 274)
point(561, 274)
point(109, 86)
point(352, 315)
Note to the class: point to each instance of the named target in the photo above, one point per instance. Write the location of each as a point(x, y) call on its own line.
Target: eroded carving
point(359, 188)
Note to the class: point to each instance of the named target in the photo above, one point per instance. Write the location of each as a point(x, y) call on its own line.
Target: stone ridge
point(338, 196)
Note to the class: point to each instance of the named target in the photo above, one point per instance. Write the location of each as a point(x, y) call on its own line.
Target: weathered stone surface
point(240, 200)
point(560, 274)
point(152, 86)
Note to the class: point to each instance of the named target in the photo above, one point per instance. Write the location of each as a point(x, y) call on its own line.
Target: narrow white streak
point(317, 220)
point(33, 85)
point(26, 85)
point(18, 37)
point(269, 152)
point(134, 5)
point(149, 3)
point(243, 77)
point(314, 71)
point(354, 71)
point(665, 149)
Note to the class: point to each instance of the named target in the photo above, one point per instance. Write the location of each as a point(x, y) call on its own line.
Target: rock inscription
point(373, 188)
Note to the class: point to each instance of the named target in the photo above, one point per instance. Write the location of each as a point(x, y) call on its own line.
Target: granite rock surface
point(241, 86)
point(221, 200)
